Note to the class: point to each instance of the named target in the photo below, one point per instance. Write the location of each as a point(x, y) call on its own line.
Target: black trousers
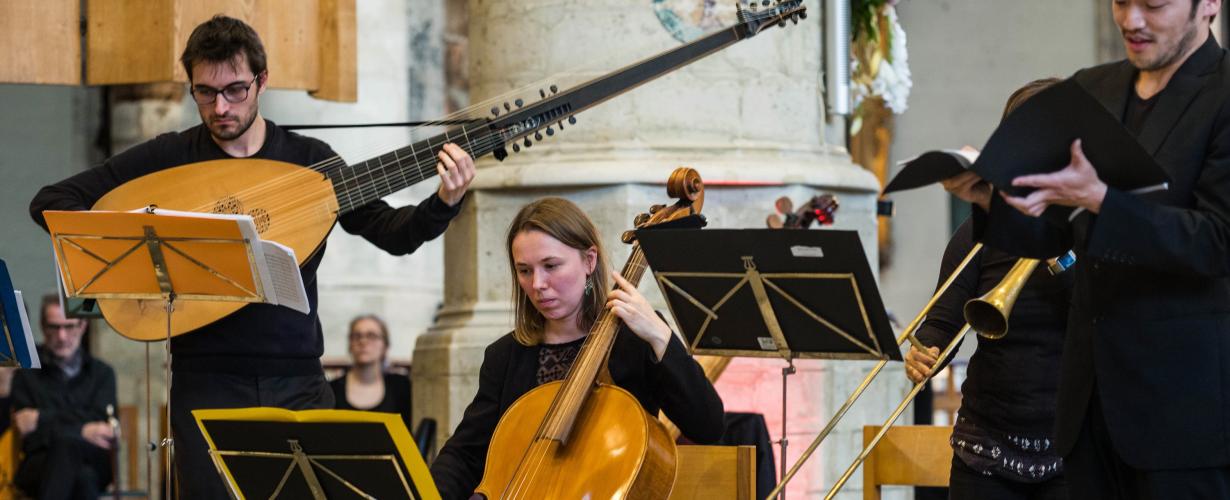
point(70, 468)
point(195, 472)
point(1095, 471)
point(968, 484)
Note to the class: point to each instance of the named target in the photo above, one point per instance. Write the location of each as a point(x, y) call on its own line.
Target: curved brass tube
point(908, 333)
point(988, 315)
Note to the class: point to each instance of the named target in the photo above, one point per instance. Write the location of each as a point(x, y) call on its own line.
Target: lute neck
point(361, 183)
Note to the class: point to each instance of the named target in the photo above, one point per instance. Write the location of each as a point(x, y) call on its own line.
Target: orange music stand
point(152, 254)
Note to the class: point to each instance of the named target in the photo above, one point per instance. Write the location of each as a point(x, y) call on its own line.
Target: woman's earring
point(589, 285)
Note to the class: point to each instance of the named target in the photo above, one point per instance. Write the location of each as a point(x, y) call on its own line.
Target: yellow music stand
point(319, 454)
point(144, 255)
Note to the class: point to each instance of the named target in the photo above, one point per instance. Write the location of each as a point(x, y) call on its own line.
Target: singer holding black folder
point(1144, 395)
point(1003, 438)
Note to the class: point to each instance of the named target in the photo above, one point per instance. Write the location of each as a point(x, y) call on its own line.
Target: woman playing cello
point(563, 279)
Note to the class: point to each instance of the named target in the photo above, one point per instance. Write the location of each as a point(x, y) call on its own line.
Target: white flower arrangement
point(890, 81)
point(888, 71)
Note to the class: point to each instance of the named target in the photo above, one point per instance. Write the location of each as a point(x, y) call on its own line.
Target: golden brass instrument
point(907, 334)
point(987, 315)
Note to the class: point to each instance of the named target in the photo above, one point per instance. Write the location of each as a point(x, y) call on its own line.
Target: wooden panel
point(912, 455)
point(338, 70)
point(309, 44)
point(40, 42)
point(129, 41)
point(291, 32)
point(716, 473)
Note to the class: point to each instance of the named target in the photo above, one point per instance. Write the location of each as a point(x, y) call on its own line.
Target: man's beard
point(239, 131)
point(1176, 52)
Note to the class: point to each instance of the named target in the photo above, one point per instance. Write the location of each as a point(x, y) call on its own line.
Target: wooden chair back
point(913, 455)
point(715, 473)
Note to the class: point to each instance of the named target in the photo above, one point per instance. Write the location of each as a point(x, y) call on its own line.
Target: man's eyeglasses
point(368, 336)
point(234, 93)
point(57, 327)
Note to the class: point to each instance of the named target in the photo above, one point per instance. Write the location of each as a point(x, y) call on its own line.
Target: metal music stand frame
point(407, 463)
point(764, 288)
point(163, 275)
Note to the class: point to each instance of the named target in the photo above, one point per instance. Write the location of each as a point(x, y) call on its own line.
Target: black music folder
point(1037, 138)
point(315, 454)
point(771, 293)
point(929, 168)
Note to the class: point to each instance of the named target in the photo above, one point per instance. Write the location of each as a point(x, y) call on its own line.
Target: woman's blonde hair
point(563, 220)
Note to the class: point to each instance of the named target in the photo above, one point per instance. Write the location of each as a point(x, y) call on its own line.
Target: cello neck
point(590, 362)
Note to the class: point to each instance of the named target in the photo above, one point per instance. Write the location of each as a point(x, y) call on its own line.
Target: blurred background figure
point(367, 385)
point(61, 413)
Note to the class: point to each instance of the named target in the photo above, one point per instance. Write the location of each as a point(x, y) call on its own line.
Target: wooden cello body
point(592, 439)
point(619, 452)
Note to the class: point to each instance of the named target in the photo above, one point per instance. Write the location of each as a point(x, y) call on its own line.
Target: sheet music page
point(282, 269)
point(29, 334)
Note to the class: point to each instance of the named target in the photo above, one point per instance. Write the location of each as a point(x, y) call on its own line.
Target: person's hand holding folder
point(1075, 185)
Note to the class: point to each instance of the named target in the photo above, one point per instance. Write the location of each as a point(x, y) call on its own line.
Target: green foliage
point(863, 15)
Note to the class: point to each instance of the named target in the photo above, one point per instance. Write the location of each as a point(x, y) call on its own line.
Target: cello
point(592, 438)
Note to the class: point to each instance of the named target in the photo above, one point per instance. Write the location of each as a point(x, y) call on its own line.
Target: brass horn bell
point(988, 315)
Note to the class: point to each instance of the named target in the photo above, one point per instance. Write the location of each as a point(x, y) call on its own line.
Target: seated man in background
point(61, 413)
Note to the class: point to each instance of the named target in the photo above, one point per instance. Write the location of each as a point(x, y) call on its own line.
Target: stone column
point(749, 118)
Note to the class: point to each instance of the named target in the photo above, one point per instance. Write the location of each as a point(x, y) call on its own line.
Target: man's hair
point(223, 39)
point(49, 300)
point(1195, 6)
point(563, 220)
point(1025, 92)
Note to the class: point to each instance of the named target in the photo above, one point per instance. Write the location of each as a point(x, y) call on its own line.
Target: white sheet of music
point(280, 273)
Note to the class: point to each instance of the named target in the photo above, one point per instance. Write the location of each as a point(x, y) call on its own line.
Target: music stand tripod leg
point(154, 243)
point(786, 372)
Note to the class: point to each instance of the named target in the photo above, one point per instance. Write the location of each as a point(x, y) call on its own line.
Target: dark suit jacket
point(1149, 329)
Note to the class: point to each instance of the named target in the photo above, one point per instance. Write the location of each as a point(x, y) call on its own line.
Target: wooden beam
point(129, 41)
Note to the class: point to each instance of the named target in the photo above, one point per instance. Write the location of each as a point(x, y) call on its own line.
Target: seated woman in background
point(562, 284)
point(366, 385)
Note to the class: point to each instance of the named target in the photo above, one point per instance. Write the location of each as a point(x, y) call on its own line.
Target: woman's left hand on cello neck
point(632, 308)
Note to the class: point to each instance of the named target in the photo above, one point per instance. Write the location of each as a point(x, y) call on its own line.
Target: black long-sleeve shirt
point(1011, 382)
point(64, 404)
point(675, 385)
point(259, 339)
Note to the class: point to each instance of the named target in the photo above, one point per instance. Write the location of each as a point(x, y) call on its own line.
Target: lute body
point(291, 205)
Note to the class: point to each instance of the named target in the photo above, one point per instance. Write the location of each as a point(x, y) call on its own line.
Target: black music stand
point(316, 454)
point(771, 293)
